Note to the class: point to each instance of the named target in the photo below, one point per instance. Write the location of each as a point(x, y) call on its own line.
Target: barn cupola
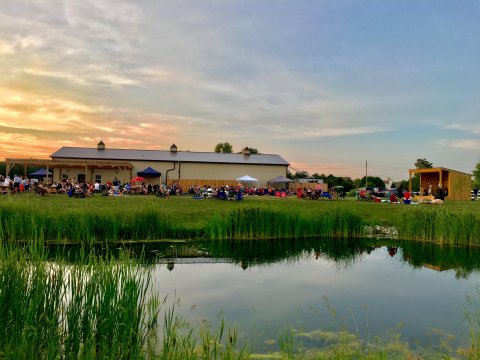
point(246, 151)
point(101, 145)
point(173, 148)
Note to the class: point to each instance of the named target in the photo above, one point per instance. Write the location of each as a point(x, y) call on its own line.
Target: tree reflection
point(343, 252)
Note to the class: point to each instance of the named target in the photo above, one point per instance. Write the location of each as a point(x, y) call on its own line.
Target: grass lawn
point(186, 213)
point(186, 210)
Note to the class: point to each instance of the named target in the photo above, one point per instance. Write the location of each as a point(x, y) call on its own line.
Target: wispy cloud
point(468, 128)
point(295, 79)
point(471, 145)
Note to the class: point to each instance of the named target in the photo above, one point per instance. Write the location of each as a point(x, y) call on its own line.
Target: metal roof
point(435, 169)
point(164, 155)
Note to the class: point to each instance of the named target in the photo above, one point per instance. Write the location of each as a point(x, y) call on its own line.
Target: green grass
point(58, 218)
point(48, 310)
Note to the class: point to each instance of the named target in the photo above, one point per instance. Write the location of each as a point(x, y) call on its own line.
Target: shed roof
point(435, 169)
point(164, 155)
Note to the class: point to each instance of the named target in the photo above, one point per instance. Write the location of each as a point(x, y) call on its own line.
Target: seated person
point(221, 194)
point(299, 193)
point(393, 197)
point(440, 193)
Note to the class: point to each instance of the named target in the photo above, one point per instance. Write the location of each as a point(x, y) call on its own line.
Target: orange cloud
point(33, 125)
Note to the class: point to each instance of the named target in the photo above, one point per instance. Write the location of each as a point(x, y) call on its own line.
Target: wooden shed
point(456, 184)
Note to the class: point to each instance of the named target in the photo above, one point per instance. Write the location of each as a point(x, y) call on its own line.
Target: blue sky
point(326, 84)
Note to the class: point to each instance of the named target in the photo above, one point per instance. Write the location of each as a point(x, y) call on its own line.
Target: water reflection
point(344, 253)
point(264, 286)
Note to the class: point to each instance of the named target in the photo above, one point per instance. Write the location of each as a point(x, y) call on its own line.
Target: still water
point(266, 288)
point(366, 286)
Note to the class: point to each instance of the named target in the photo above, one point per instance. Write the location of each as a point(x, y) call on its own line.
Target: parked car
point(378, 192)
point(472, 196)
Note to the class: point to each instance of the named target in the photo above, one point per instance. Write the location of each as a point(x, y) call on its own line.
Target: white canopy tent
point(247, 179)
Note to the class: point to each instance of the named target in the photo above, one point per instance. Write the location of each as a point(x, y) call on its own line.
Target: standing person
point(115, 184)
point(475, 193)
point(406, 197)
point(16, 183)
point(440, 193)
point(26, 184)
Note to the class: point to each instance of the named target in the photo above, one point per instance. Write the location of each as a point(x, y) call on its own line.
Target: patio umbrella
point(137, 179)
point(40, 173)
point(149, 172)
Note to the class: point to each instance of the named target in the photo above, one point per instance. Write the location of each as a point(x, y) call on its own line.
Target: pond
point(367, 286)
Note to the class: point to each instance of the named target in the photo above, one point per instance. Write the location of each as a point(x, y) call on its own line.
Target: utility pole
point(366, 173)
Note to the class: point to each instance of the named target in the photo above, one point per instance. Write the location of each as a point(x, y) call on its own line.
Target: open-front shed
point(456, 184)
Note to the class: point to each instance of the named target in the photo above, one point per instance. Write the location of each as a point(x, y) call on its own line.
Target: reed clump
point(266, 223)
point(52, 311)
point(80, 225)
point(441, 225)
point(19, 223)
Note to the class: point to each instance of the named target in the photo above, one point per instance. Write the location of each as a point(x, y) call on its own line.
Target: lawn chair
point(209, 193)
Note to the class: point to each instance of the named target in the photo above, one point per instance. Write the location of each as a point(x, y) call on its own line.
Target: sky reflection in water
point(368, 289)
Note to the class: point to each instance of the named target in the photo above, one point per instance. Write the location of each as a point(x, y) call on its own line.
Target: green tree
point(347, 183)
point(224, 147)
point(476, 176)
point(415, 183)
point(16, 169)
point(373, 181)
point(423, 164)
point(301, 175)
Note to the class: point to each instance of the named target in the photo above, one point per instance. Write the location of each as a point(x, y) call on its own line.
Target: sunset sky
point(327, 85)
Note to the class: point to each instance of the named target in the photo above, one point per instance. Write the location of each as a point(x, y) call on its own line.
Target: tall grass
point(247, 222)
point(80, 312)
point(267, 223)
point(27, 218)
point(82, 225)
point(102, 310)
point(441, 225)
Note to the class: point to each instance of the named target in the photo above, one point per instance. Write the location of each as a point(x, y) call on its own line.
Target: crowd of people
point(392, 196)
point(71, 188)
point(19, 184)
point(16, 185)
point(234, 192)
point(405, 196)
point(319, 194)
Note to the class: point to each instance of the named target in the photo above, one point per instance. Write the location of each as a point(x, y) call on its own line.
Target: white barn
point(103, 164)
